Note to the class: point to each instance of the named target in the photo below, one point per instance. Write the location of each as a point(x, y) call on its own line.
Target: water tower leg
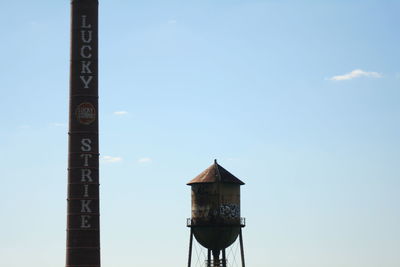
point(241, 247)
point(216, 257)
point(190, 248)
point(208, 257)
point(223, 258)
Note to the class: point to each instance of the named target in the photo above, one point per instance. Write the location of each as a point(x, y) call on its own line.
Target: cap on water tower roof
point(215, 173)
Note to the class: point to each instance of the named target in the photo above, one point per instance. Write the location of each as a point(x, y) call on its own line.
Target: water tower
point(216, 221)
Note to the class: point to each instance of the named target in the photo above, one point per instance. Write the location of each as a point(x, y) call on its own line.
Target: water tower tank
point(215, 220)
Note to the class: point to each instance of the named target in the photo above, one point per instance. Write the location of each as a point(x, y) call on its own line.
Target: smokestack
point(83, 231)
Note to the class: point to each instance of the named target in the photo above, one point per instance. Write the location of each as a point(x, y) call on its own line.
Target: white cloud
point(144, 160)
point(355, 74)
point(24, 126)
point(172, 21)
point(110, 159)
point(120, 113)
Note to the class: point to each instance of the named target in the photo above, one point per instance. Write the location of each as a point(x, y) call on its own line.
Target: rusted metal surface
point(83, 226)
point(213, 174)
point(214, 203)
point(215, 220)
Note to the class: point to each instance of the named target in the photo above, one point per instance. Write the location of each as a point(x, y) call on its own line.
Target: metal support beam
point(216, 261)
point(190, 248)
point(241, 247)
point(223, 258)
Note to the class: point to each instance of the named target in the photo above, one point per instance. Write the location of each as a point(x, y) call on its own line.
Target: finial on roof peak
point(215, 161)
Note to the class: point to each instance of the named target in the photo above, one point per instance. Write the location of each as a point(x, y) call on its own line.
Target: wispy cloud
point(144, 160)
point(120, 113)
point(110, 159)
point(356, 74)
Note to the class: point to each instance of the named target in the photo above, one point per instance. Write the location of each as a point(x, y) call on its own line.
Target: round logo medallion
point(85, 113)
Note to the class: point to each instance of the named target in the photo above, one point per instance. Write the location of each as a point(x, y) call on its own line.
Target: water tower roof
point(213, 174)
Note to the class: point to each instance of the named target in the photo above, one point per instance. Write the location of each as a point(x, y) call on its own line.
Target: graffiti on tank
point(229, 210)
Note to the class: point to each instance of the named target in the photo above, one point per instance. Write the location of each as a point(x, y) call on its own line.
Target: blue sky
point(299, 99)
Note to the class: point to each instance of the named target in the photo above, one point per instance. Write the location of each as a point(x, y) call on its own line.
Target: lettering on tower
point(85, 178)
point(86, 52)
